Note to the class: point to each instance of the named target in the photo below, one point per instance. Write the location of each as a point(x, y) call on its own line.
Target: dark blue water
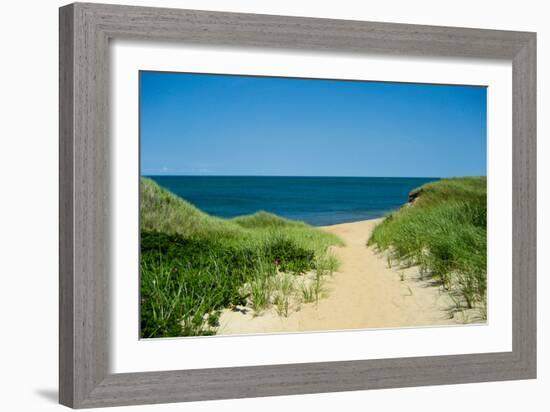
point(319, 201)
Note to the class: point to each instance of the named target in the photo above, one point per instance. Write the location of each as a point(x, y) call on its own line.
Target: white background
point(28, 218)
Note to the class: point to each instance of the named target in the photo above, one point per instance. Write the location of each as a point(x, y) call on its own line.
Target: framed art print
point(258, 205)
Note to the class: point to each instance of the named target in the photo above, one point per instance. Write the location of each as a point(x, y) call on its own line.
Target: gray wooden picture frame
point(85, 31)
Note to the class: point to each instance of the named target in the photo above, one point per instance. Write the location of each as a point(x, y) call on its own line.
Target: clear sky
point(194, 124)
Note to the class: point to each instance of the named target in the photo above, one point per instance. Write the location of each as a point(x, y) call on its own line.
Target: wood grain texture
point(85, 31)
point(524, 207)
point(66, 195)
point(83, 344)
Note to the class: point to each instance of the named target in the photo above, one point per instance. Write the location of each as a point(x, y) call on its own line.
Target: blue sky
point(194, 124)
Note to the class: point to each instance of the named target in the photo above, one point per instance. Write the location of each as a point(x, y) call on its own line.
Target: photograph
point(293, 205)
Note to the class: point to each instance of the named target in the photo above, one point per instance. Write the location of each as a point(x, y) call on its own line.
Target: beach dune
point(364, 293)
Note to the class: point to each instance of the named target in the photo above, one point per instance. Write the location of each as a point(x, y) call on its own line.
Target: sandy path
point(364, 293)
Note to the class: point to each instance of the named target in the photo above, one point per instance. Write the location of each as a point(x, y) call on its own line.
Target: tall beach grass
point(443, 230)
point(194, 265)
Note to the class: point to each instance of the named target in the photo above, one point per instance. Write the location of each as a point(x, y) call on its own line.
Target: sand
point(364, 293)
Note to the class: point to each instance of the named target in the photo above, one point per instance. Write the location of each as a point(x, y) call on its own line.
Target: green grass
point(284, 291)
point(194, 265)
point(444, 231)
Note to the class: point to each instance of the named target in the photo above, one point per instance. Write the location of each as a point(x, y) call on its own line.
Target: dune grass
point(444, 231)
point(194, 265)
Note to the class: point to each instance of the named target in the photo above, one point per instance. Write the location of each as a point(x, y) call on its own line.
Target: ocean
point(319, 201)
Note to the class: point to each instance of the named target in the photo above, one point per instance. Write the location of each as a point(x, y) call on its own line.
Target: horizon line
point(385, 177)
